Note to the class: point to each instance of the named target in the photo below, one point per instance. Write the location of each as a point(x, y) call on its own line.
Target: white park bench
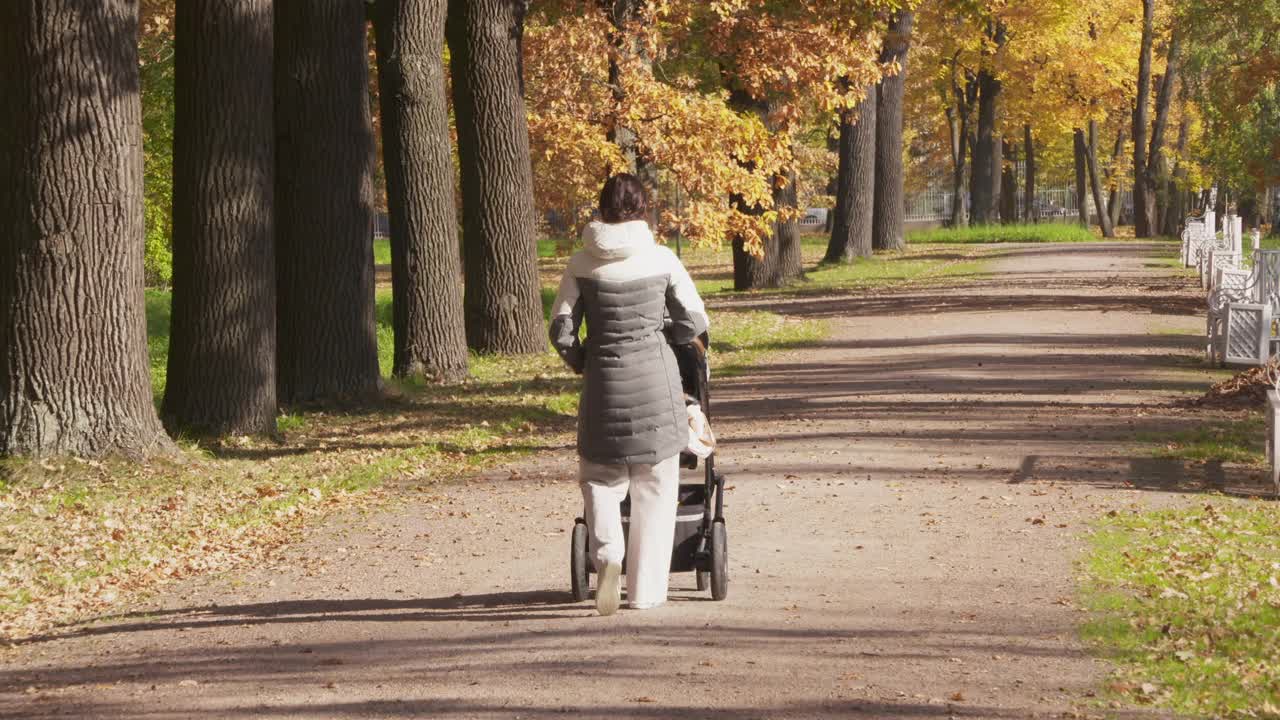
point(1242, 306)
point(1196, 231)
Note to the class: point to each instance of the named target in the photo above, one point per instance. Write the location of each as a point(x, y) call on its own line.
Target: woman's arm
point(688, 313)
point(566, 321)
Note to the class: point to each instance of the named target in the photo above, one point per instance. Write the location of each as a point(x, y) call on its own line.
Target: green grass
point(1235, 441)
point(1187, 602)
point(1046, 232)
point(381, 251)
point(739, 340)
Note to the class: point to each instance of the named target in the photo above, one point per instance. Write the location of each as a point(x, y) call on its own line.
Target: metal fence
point(935, 205)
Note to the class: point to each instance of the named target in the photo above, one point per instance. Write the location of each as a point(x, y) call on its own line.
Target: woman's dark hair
point(623, 198)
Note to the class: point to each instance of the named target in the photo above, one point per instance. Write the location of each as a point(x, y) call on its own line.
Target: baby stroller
point(700, 542)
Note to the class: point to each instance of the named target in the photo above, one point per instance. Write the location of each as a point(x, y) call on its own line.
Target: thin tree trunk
point(1095, 181)
point(1082, 205)
point(327, 343)
point(1143, 201)
point(222, 345)
point(997, 176)
point(1113, 180)
point(626, 46)
point(1157, 167)
point(959, 152)
point(1029, 200)
point(503, 295)
point(959, 112)
point(1275, 211)
point(426, 282)
point(855, 186)
point(889, 213)
point(1177, 209)
point(1008, 184)
point(74, 372)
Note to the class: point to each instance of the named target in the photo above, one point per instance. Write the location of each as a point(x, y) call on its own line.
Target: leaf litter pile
point(1189, 600)
point(1244, 390)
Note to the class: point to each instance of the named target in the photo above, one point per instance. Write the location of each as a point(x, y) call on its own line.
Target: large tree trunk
point(222, 343)
point(1113, 180)
point(74, 372)
point(1029, 198)
point(985, 178)
point(503, 295)
point(328, 348)
point(790, 260)
point(781, 261)
point(985, 170)
point(1082, 205)
point(855, 184)
point(1008, 184)
point(426, 282)
point(889, 214)
point(1095, 181)
point(1143, 201)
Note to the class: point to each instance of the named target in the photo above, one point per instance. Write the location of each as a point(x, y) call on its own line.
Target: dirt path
point(907, 501)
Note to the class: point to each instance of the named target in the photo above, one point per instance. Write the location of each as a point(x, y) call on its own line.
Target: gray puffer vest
point(632, 405)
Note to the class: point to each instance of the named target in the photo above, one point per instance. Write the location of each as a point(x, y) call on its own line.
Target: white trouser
point(654, 490)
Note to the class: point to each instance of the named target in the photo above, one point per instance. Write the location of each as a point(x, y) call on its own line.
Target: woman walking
point(632, 422)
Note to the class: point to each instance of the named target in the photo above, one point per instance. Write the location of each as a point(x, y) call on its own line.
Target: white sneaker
point(609, 591)
point(646, 605)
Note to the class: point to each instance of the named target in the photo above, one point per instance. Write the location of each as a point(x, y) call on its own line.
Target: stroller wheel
point(578, 582)
point(704, 579)
point(719, 561)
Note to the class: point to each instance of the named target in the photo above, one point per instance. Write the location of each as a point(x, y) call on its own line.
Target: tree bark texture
point(74, 370)
point(627, 45)
point(1176, 197)
point(426, 272)
point(855, 184)
point(889, 213)
point(781, 262)
point(963, 99)
point(984, 180)
point(222, 343)
point(1113, 197)
point(959, 153)
point(1008, 183)
point(503, 302)
point(1157, 168)
point(1029, 193)
point(327, 343)
point(997, 176)
point(1082, 204)
point(1095, 181)
point(1143, 201)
